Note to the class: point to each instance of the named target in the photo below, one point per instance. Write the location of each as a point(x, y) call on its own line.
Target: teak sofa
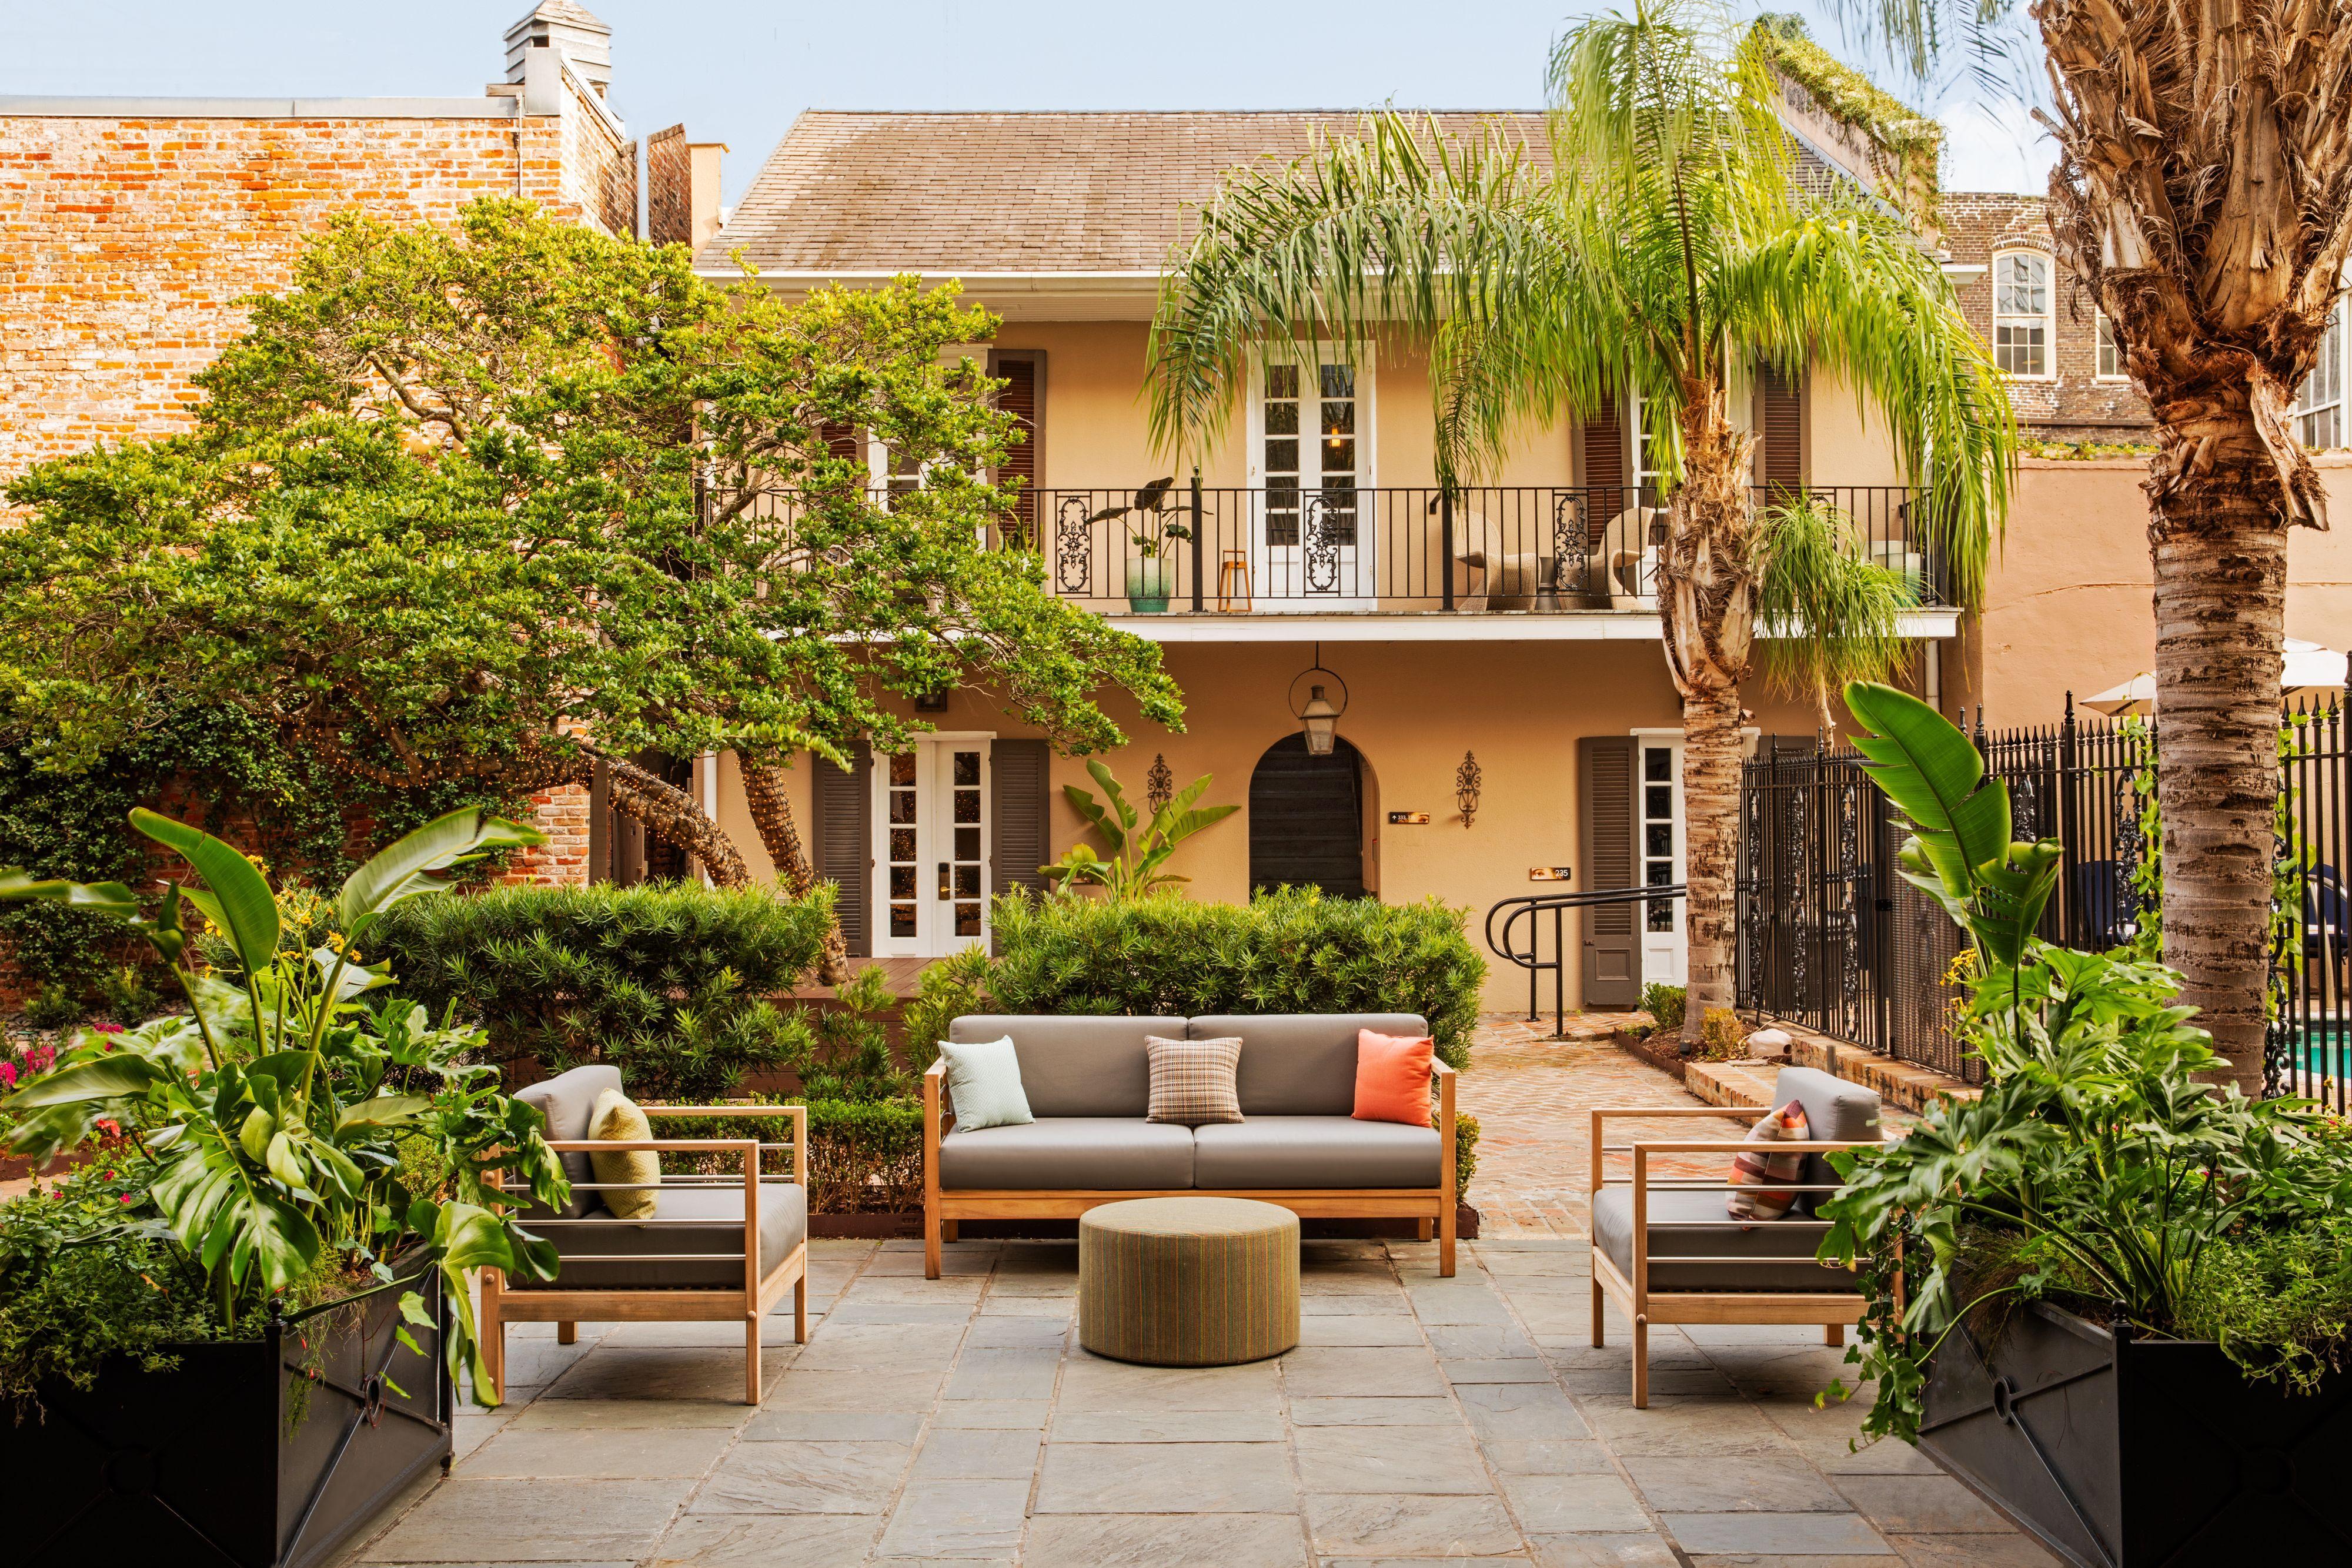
point(1089, 1085)
point(719, 1247)
point(1666, 1250)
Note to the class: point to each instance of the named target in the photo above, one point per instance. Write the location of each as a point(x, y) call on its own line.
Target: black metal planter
point(2124, 1452)
point(261, 1454)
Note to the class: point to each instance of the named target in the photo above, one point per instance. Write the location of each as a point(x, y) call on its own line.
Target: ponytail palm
point(1665, 242)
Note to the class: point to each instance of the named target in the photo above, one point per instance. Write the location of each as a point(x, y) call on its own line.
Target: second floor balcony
point(1497, 550)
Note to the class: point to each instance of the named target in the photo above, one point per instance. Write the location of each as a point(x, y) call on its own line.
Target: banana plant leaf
point(405, 868)
point(240, 901)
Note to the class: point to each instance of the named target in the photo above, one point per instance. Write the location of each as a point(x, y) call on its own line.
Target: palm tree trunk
point(1706, 599)
point(2220, 551)
point(772, 813)
point(669, 812)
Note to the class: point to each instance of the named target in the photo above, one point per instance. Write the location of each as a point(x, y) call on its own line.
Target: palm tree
point(2203, 197)
point(1667, 244)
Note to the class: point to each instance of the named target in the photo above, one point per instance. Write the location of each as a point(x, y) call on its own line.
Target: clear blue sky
point(737, 72)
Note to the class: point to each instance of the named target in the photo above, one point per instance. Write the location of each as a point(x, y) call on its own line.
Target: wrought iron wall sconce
point(1467, 781)
point(1158, 783)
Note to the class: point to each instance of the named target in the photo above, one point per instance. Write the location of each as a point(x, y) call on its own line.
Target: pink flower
point(129, 1197)
point(107, 1028)
point(7, 1074)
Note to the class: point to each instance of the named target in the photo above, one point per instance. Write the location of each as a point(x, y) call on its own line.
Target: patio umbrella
point(2312, 673)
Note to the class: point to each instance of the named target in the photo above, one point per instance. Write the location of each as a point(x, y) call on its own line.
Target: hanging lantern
point(1467, 781)
point(1318, 718)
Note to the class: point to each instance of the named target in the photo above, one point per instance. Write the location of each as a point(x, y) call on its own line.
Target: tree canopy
point(497, 503)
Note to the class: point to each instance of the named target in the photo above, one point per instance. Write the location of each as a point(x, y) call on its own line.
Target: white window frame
point(2046, 319)
point(2322, 391)
point(2104, 343)
point(933, 827)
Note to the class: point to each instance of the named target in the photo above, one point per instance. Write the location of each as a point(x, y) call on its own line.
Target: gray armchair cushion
point(1834, 1110)
point(783, 1225)
point(1060, 1154)
point(1612, 1233)
point(565, 1100)
point(1301, 1064)
point(1076, 1066)
point(1273, 1151)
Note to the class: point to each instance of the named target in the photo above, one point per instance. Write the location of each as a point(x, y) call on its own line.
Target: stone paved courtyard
point(958, 1421)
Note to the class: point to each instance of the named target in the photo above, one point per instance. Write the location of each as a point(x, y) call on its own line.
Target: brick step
point(1905, 1086)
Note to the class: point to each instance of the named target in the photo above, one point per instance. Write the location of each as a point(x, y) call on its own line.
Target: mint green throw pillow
point(984, 1084)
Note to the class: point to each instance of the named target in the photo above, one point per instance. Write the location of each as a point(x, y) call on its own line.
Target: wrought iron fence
point(1831, 938)
point(1164, 548)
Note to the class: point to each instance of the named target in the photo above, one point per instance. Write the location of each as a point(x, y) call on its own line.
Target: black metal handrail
point(1192, 548)
point(1556, 904)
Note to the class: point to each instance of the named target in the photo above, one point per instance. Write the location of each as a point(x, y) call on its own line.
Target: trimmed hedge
point(1292, 951)
point(667, 981)
point(865, 1156)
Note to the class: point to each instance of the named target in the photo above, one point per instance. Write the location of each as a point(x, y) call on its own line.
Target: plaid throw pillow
point(1192, 1079)
point(1753, 1170)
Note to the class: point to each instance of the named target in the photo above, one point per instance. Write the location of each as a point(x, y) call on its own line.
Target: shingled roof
point(970, 193)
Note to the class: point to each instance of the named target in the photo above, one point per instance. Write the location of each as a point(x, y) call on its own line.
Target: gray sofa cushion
point(565, 1100)
point(1076, 1066)
point(1062, 1153)
point(1612, 1233)
point(1834, 1109)
point(1273, 1151)
point(783, 1224)
point(1301, 1064)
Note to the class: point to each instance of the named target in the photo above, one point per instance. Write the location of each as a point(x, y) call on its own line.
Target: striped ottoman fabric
point(1188, 1281)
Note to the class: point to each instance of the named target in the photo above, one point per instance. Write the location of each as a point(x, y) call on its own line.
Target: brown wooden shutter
point(1023, 396)
point(840, 441)
point(1604, 467)
point(1612, 940)
point(1022, 814)
point(841, 810)
point(1780, 430)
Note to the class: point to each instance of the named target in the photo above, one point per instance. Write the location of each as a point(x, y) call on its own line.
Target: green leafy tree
point(1137, 848)
point(1667, 244)
point(507, 504)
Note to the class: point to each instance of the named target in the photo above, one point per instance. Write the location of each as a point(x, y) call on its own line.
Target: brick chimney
point(565, 27)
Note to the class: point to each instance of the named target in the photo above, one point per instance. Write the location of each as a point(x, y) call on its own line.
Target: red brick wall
point(2075, 405)
point(128, 241)
point(669, 188)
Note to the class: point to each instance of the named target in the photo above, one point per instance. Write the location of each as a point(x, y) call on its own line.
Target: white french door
point(931, 826)
point(1313, 542)
point(1659, 847)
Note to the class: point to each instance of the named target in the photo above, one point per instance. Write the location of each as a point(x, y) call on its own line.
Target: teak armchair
point(722, 1223)
point(1664, 1249)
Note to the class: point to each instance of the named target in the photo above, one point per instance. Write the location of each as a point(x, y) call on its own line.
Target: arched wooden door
point(1307, 819)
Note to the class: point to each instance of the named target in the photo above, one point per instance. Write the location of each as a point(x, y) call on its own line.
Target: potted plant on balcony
point(233, 1334)
point(2110, 1295)
point(1154, 527)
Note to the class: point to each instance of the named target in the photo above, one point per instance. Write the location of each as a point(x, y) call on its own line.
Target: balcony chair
point(719, 1247)
point(1629, 557)
point(1665, 1250)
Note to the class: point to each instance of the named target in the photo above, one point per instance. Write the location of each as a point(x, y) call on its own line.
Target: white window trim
point(2121, 378)
point(2049, 312)
point(2340, 328)
point(1361, 355)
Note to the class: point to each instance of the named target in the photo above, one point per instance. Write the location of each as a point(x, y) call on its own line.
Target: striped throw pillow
point(1755, 1169)
point(1192, 1079)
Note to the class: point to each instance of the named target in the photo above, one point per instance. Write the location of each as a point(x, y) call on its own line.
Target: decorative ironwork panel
point(1073, 544)
point(1322, 550)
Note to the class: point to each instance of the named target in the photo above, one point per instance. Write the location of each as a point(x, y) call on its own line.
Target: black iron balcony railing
point(1179, 548)
point(1495, 549)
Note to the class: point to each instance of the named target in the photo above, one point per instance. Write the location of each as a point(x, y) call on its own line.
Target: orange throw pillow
point(1393, 1078)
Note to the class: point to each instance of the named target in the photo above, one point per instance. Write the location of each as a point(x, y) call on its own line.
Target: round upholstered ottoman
point(1188, 1281)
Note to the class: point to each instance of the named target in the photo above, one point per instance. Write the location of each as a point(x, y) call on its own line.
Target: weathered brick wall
point(599, 176)
point(2077, 405)
point(561, 813)
point(669, 188)
point(128, 242)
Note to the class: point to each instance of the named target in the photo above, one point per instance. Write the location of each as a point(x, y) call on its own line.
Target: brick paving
point(1533, 1096)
